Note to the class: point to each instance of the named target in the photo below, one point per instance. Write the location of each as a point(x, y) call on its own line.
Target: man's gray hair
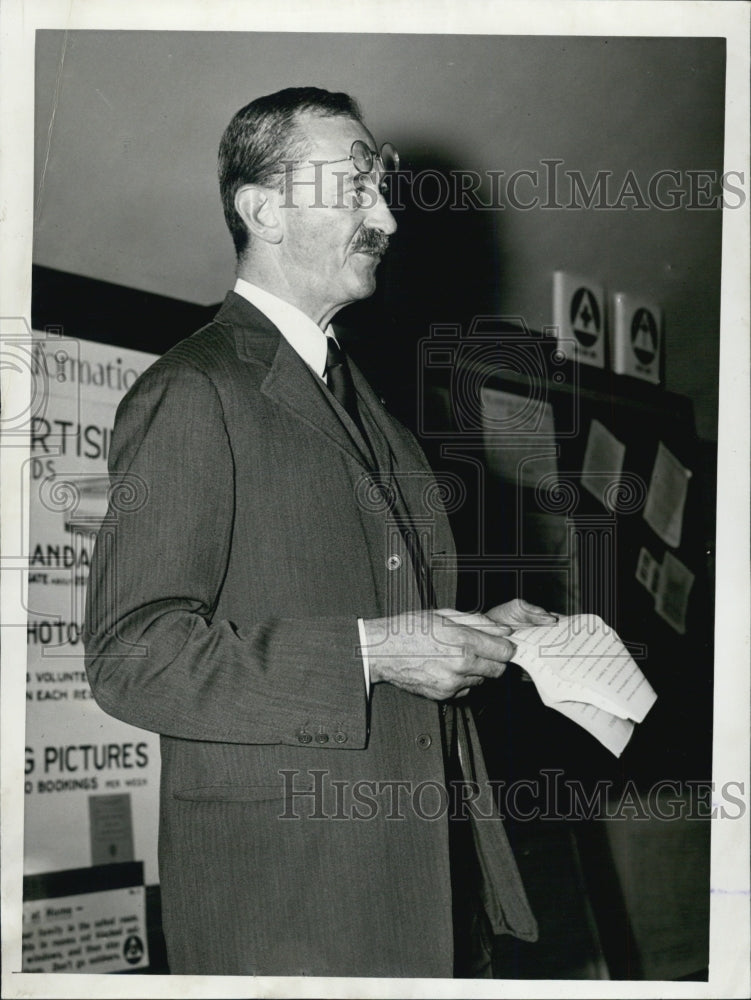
point(262, 136)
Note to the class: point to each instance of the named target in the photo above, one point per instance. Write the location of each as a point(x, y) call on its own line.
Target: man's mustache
point(371, 241)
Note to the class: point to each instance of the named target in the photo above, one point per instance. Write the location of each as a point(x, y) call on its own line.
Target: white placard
point(666, 498)
point(579, 318)
point(86, 932)
point(603, 462)
point(637, 337)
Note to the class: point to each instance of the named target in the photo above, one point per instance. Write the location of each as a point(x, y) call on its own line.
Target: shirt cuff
point(364, 654)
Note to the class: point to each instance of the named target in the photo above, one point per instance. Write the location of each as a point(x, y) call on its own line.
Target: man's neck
point(274, 281)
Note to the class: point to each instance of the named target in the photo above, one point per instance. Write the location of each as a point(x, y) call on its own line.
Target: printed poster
point(91, 782)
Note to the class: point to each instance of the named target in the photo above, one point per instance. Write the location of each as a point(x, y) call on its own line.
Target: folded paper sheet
point(582, 669)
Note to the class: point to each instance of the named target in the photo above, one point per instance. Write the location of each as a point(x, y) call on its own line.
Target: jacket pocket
point(231, 793)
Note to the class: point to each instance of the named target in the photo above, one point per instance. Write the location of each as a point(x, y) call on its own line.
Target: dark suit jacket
point(243, 541)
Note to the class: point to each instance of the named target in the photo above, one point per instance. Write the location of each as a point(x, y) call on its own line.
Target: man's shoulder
point(209, 350)
point(239, 342)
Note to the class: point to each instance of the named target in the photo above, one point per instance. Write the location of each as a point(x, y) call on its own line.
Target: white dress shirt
point(309, 340)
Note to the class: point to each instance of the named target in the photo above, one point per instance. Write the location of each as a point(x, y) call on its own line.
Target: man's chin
point(366, 264)
point(363, 281)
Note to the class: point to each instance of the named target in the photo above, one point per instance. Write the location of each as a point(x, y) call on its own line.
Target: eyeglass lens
point(362, 157)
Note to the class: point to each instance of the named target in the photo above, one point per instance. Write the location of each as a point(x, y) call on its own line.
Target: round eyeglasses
point(363, 157)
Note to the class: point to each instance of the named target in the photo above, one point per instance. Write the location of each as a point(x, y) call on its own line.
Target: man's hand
point(517, 613)
point(436, 654)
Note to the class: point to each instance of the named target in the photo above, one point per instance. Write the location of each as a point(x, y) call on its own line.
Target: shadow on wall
point(441, 268)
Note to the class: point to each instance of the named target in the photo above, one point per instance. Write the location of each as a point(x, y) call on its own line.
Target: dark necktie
point(339, 378)
point(339, 381)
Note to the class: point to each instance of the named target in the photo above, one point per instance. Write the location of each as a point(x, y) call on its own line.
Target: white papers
point(613, 732)
point(603, 462)
point(580, 658)
point(582, 669)
point(666, 499)
point(671, 599)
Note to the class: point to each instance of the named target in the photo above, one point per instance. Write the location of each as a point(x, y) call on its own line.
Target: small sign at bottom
point(87, 932)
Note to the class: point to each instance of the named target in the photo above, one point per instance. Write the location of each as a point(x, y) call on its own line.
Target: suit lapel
point(289, 383)
point(404, 450)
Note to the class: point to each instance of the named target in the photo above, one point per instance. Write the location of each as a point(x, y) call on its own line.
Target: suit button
point(322, 737)
point(340, 737)
point(423, 741)
point(393, 562)
point(304, 737)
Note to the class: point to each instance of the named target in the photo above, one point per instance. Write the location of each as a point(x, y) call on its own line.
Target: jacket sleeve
point(156, 656)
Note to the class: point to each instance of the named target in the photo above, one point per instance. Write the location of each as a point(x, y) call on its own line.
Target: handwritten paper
point(603, 461)
point(666, 498)
point(581, 669)
point(580, 661)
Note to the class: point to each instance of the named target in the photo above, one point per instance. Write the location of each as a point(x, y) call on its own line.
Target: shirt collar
point(299, 330)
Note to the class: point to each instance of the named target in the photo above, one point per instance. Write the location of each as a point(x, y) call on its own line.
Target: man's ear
point(258, 207)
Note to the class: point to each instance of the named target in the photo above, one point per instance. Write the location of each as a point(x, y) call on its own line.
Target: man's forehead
point(332, 136)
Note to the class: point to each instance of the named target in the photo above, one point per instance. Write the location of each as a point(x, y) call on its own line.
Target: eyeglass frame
point(372, 155)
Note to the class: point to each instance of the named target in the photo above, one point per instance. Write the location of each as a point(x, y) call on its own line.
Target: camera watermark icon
point(496, 351)
point(35, 365)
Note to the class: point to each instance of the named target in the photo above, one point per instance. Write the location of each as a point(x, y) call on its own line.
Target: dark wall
point(128, 124)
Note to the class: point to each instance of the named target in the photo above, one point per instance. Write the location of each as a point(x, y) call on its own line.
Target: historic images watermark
point(313, 794)
point(549, 186)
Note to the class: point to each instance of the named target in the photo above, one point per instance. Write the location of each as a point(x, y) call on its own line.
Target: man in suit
point(264, 594)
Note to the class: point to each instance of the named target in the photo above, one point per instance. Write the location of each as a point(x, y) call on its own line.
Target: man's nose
point(378, 215)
